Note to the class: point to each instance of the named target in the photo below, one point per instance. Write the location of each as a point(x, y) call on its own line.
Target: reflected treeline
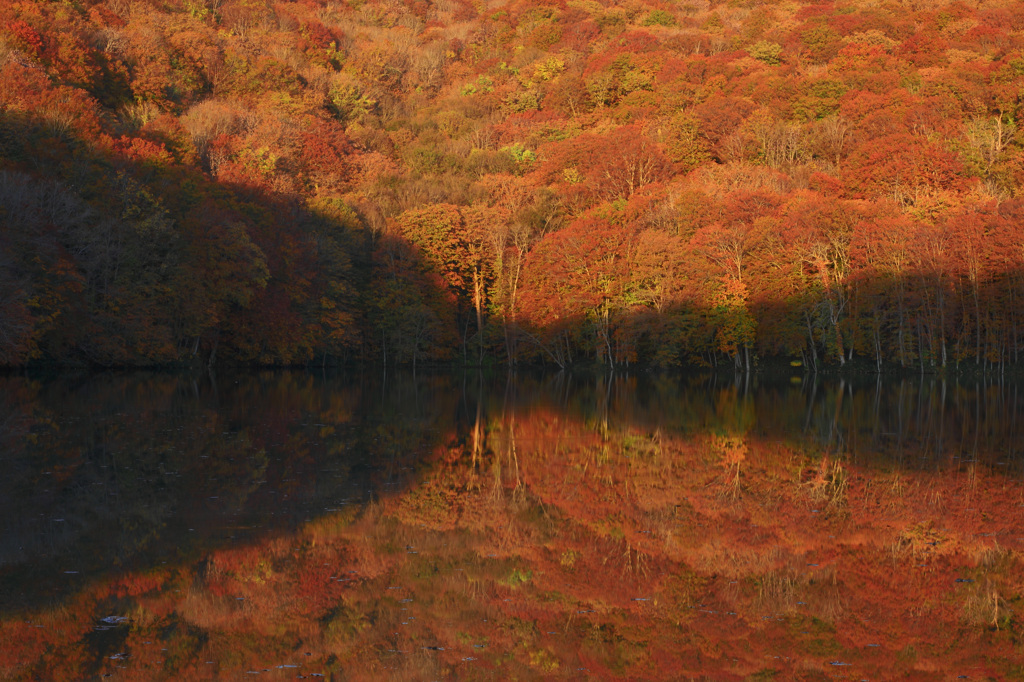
point(915, 423)
point(147, 468)
point(137, 469)
point(909, 422)
point(405, 526)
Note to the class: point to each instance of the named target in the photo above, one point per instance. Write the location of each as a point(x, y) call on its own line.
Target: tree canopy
point(545, 181)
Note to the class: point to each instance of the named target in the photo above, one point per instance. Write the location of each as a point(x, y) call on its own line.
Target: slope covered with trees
point(536, 180)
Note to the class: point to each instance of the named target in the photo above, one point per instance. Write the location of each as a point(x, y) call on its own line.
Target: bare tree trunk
point(977, 324)
point(213, 353)
point(478, 304)
point(810, 341)
point(839, 341)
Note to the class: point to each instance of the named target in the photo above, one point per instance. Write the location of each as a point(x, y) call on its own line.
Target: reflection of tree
point(637, 518)
point(611, 500)
point(123, 470)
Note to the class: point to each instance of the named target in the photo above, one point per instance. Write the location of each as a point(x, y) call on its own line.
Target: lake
point(368, 526)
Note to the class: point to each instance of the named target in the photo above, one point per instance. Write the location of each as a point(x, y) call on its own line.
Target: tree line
point(556, 182)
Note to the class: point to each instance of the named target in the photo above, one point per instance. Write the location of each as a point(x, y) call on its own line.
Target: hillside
point(565, 181)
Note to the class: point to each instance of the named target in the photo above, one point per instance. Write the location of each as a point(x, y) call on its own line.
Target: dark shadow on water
point(125, 471)
point(133, 470)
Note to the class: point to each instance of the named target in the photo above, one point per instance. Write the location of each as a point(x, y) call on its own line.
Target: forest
point(560, 182)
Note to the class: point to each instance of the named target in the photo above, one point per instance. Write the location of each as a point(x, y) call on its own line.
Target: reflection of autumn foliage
point(558, 529)
point(542, 540)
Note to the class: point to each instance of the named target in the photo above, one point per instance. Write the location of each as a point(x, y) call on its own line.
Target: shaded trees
point(299, 182)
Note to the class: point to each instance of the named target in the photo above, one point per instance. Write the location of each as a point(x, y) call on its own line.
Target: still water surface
point(289, 525)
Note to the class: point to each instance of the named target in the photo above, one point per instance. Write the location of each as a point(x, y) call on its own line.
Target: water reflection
point(162, 526)
point(132, 470)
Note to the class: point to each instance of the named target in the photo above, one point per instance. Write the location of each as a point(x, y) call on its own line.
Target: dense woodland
point(552, 181)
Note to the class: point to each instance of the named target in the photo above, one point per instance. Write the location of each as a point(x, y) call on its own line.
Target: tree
point(579, 273)
point(455, 249)
point(591, 168)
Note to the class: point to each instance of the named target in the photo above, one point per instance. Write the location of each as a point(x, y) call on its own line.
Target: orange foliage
point(307, 128)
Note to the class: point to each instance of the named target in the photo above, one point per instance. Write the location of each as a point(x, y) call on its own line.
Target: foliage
point(767, 52)
point(272, 183)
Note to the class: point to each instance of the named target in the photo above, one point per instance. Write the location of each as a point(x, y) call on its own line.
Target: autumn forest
point(701, 182)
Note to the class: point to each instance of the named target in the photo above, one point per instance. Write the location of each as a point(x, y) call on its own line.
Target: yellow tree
point(452, 242)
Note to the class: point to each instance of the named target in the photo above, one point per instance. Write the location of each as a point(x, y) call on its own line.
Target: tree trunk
point(478, 304)
point(213, 353)
point(810, 341)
